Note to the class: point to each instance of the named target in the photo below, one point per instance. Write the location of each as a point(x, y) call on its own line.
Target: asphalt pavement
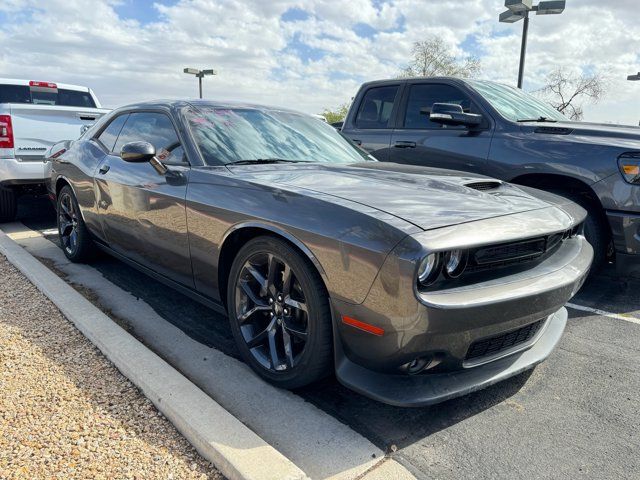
point(577, 415)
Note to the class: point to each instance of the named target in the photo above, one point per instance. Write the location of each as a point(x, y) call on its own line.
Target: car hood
point(625, 136)
point(426, 197)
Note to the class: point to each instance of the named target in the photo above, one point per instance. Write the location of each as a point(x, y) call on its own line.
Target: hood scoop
point(484, 186)
point(554, 130)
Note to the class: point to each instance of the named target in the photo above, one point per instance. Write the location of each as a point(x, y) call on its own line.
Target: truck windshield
point(254, 135)
point(49, 96)
point(514, 104)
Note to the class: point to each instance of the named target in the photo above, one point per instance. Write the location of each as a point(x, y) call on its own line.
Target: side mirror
point(137, 152)
point(452, 114)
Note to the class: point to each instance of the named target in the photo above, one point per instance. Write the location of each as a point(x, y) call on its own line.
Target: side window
point(155, 128)
point(423, 96)
point(376, 106)
point(110, 134)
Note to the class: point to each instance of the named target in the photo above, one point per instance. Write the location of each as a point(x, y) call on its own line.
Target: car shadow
point(392, 427)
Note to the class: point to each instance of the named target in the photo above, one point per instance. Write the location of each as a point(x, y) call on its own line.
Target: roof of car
point(177, 103)
point(388, 81)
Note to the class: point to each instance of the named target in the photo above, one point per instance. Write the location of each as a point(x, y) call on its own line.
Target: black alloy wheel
point(279, 313)
point(75, 239)
point(68, 223)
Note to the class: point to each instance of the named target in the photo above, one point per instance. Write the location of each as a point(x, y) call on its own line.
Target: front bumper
point(427, 389)
point(17, 172)
point(442, 327)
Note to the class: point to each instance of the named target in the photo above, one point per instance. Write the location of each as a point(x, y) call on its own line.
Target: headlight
point(429, 269)
point(455, 262)
point(629, 164)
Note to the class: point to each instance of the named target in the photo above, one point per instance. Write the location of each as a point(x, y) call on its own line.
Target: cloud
point(305, 54)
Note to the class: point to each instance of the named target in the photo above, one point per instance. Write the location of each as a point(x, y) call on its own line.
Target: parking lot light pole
point(519, 10)
point(200, 74)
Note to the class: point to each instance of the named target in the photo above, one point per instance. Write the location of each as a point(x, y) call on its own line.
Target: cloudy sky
point(305, 54)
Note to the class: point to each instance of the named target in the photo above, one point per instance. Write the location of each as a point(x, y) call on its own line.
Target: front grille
point(510, 251)
point(482, 186)
point(506, 254)
point(494, 345)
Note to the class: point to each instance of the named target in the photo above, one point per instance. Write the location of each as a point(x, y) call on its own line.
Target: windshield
point(226, 135)
point(514, 104)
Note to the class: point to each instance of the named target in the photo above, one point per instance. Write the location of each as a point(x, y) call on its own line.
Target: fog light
point(455, 262)
point(429, 269)
point(418, 365)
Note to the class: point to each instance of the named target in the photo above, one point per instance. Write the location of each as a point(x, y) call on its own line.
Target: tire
point(75, 239)
point(301, 314)
point(8, 202)
point(596, 229)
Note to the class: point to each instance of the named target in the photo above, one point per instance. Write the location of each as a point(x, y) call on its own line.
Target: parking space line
point(604, 313)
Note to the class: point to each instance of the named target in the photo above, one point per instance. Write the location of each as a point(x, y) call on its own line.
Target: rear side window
point(155, 128)
point(421, 99)
point(14, 94)
point(375, 109)
point(45, 96)
point(110, 134)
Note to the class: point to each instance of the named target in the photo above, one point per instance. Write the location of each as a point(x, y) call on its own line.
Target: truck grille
point(499, 343)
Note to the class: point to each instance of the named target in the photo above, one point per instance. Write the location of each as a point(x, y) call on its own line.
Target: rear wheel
point(75, 239)
point(279, 313)
point(8, 201)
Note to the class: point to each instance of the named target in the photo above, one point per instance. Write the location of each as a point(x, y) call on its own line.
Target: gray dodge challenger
point(414, 285)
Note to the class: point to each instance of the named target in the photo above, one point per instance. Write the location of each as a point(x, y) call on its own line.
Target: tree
point(565, 91)
point(432, 57)
point(337, 114)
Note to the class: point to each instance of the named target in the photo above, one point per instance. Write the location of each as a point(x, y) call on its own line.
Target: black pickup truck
point(499, 131)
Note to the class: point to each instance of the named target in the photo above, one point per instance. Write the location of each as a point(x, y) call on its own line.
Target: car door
point(371, 127)
point(142, 211)
point(419, 141)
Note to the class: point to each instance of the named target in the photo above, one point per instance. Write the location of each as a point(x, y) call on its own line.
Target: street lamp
point(634, 77)
point(200, 74)
point(519, 10)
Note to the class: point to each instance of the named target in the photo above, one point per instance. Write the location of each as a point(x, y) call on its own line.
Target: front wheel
point(75, 239)
point(279, 313)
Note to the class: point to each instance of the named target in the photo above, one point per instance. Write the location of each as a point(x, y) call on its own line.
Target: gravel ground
point(66, 412)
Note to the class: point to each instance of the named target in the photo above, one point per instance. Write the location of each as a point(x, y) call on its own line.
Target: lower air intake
point(494, 345)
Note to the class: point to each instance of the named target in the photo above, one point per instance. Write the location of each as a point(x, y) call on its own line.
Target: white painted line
point(323, 447)
point(219, 437)
point(597, 311)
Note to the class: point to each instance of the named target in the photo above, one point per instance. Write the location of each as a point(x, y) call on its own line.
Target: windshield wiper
point(539, 119)
point(264, 161)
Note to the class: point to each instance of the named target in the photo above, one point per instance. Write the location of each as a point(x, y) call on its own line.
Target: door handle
point(356, 141)
point(404, 144)
point(104, 169)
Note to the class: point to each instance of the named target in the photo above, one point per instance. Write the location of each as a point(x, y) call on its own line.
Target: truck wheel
point(8, 202)
point(596, 230)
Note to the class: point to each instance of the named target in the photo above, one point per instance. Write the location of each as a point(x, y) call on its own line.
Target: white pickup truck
point(35, 115)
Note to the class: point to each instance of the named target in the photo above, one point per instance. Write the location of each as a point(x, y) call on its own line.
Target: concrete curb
point(217, 435)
